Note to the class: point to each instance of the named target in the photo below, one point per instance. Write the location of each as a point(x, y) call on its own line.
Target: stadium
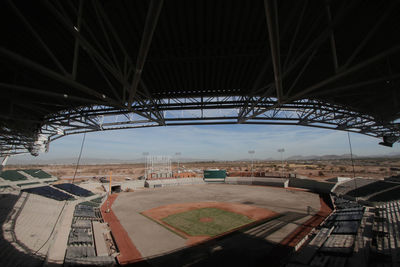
point(77, 67)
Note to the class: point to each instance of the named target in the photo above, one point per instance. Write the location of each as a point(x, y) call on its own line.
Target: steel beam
point(271, 13)
point(151, 22)
point(55, 76)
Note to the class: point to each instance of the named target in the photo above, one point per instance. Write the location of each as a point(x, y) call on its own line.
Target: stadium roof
point(65, 66)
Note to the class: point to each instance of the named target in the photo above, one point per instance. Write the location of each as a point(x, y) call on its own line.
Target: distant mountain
point(323, 157)
point(343, 156)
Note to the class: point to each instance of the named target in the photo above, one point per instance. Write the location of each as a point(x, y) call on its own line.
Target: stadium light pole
point(281, 150)
point(177, 154)
point(145, 154)
point(251, 152)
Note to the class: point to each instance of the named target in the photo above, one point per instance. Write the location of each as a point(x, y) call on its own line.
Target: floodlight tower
point(177, 154)
point(281, 150)
point(145, 154)
point(251, 152)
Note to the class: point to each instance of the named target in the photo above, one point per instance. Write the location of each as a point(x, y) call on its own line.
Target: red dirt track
point(128, 252)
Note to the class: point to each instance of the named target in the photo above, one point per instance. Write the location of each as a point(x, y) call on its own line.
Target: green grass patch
point(206, 221)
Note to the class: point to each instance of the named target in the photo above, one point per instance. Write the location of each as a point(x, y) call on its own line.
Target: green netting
point(37, 173)
point(12, 175)
point(28, 184)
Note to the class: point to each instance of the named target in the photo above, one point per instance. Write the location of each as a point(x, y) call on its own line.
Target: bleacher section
point(337, 241)
point(37, 173)
point(49, 192)
point(90, 241)
point(12, 175)
point(366, 190)
point(94, 202)
point(389, 195)
point(74, 189)
point(394, 179)
point(344, 188)
point(386, 238)
point(369, 190)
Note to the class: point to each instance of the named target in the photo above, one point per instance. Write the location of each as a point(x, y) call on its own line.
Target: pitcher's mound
point(206, 219)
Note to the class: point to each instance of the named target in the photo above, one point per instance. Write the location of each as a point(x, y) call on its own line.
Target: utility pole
point(281, 150)
point(251, 152)
point(145, 154)
point(177, 154)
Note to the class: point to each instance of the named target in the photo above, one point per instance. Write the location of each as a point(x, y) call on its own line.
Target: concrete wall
point(136, 184)
point(312, 185)
point(278, 182)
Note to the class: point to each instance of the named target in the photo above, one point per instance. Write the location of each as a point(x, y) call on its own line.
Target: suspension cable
point(352, 161)
point(65, 202)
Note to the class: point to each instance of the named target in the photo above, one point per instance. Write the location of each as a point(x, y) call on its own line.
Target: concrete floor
point(152, 239)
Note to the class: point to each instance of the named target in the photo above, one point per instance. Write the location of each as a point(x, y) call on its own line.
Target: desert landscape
point(321, 169)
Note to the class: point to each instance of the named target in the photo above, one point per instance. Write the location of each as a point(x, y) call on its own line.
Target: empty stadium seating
point(368, 190)
point(394, 179)
point(74, 189)
point(12, 175)
point(386, 228)
point(335, 241)
point(345, 187)
point(365, 190)
point(89, 242)
point(389, 195)
point(49, 192)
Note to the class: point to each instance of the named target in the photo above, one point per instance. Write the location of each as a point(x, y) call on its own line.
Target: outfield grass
point(220, 221)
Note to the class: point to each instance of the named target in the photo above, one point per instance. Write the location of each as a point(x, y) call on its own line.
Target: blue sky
point(219, 142)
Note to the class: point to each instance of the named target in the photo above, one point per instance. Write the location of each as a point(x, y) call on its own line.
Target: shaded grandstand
point(74, 189)
point(370, 190)
point(49, 192)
